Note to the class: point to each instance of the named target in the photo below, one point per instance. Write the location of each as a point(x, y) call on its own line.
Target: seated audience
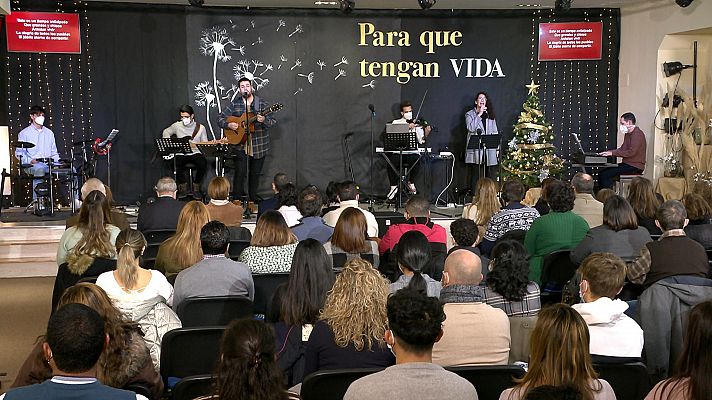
point(125, 360)
point(619, 234)
point(220, 207)
point(614, 335)
point(310, 279)
point(415, 323)
point(350, 240)
point(352, 324)
point(585, 205)
point(215, 274)
point(485, 203)
point(86, 249)
point(673, 253)
point(514, 215)
point(560, 229)
point(278, 182)
point(311, 225)
point(413, 257)
point(704, 189)
point(247, 368)
point(417, 214)
point(182, 250)
point(560, 356)
point(643, 199)
point(331, 201)
point(604, 194)
point(691, 379)
point(348, 196)
point(117, 218)
point(698, 212)
point(508, 285)
point(74, 342)
point(163, 212)
point(271, 247)
point(468, 317)
point(288, 205)
point(542, 205)
point(465, 234)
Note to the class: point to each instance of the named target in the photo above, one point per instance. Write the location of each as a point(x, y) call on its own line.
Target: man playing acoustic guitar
point(256, 145)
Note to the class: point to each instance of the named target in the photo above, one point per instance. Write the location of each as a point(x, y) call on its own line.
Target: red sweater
point(434, 232)
point(633, 149)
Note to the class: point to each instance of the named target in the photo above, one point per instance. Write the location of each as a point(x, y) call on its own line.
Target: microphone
point(246, 94)
point(373, 110)
point(348, 135)
point(479, 131)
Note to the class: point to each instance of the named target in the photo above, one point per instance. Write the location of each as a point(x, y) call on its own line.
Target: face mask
point(624, 129)
point(39, 120)
point(408, 115)
point(186, 121)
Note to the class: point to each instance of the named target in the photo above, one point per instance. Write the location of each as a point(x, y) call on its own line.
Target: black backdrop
point(146, 60)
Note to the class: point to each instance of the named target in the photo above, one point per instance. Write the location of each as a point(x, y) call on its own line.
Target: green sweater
point(553, 231)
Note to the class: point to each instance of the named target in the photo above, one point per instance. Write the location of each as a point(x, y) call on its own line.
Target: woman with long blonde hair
point(272, 245)
point(485, 202)
point(350, 333)
point(182, 250)
point(560, 356)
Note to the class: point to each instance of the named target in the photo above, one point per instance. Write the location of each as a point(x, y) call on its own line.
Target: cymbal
point(83, 141)
point(24, 145)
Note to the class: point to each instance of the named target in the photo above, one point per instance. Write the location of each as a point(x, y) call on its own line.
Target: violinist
point(422, 129)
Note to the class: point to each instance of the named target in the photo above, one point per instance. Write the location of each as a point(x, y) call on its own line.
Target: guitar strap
point(196, 130)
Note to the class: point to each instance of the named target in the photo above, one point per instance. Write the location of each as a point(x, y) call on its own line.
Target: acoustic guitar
point(239, 135)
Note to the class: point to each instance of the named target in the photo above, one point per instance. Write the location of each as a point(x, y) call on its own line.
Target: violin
point(418, 122)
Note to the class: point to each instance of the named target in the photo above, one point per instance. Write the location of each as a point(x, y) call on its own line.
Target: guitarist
point(188, 127)
point(257, 145)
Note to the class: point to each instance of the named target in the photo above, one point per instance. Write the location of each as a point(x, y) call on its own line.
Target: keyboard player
point(632, 151)
point(422, 130)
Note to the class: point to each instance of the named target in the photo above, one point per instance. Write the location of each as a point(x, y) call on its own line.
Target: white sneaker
point(392, 193)
point(411, 188)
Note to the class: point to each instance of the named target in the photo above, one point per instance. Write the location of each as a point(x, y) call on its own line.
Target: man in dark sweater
point(673, 254)
point(632, 151)
point(163, 212)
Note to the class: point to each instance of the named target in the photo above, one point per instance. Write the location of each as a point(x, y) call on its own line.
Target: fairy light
point(87, 124)
point(608, 71)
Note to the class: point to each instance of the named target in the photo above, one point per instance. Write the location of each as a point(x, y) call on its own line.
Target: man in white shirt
point(348, 197)
point(188, 127)
point(34, 160)
point(422, 130)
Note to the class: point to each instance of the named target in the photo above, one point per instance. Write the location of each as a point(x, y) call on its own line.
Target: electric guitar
point(239, 135)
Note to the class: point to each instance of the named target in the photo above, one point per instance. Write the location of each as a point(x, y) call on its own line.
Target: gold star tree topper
point(532, 87)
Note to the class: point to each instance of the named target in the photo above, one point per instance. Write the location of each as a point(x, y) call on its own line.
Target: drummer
point(34, 159)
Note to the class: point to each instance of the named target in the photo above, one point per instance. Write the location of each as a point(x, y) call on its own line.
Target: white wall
point(4, 6)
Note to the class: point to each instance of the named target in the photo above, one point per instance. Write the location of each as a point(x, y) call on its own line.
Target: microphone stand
point(370, 197)
point(247, 214)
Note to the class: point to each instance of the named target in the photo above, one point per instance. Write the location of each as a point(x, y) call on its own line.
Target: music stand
point(168, 146)
point(399, 139)
point(218, 150)
point(484, 142)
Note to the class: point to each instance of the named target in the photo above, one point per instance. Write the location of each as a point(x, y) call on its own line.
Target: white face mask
point(624, 129)
point(39, 120)
point(408, 115)
point(186, 121)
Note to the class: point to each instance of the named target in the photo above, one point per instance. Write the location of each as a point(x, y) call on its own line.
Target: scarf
point(461, 294)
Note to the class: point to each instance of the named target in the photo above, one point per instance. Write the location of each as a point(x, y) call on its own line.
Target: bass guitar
point(239, 135)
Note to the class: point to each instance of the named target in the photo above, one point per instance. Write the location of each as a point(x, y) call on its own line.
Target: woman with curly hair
point(350, 333)
point(182, 250)
point(645, 203)
point(560, 356)
point(485, 202)
point(125, 360)
point(559, 229)
point(508, 286)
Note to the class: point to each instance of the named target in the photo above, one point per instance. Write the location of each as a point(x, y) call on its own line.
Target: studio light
point(674, 67)
point(346, 6)
point(562, 5)
point(683, 3)
point(196, 3)
point(425, 4)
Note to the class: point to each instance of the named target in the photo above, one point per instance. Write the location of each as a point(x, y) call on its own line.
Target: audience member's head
point(310, 202)
point(248, 368)
point(462, 267)
point(697, 207)
point(214, 238)
point(417, 207)
point(130, 245)
point(544, 187)
point(91, 185)
point(515, 234)
point(641, 196)
point(166, 186)
point(413, 253)
point(347, 190)
point(560, 352)
point(618, 214)
point(219, 188)
point(671, 215)
point(582, 183)
point(486, 200)
point(310, 279)
point(183, 248)
point(272, 230)
point(704, 189)
point(95, 240)
point(560, 196)
point(351, 232)
point(279, 181)
point(75, 340)
point(602, 275)
point(604, 194)
point(287, 195)
point(415, 323)
point(332, 193)
point(464, 232)
point(355, 308)
point(513, 191)
point(548, 392)
point(509, 270)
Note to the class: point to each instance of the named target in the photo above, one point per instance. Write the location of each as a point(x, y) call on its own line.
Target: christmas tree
point(530, 156)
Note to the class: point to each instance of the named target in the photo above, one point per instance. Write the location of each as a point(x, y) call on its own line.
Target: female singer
point(481, 121)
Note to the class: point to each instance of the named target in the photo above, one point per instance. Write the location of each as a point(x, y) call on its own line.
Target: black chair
point(557, 269)
point(490, 380)
point(158, 236)
point(89, 279)
point(172, 279)
point(265, 286)
point(629, 381)
point(236, 247)
point(141, 389)
point(239, 233)
point(213, 311)
point(189, 351)
point(148, 259)
point(332, 384)
point(192, 387)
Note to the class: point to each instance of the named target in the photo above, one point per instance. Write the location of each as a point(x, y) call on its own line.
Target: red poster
point(570, 41)
point(38, 32)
